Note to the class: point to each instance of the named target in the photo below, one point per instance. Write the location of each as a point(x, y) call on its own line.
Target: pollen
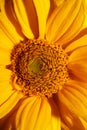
point(39, 68)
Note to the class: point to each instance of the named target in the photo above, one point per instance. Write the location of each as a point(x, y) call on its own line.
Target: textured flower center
point(39, 68)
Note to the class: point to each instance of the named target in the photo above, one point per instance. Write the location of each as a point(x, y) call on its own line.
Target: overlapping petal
point(7, 26)
point(8, 97)
point(55, 122)
point(79, 42)
point(74, 97)
point(78, 63)
point(65, 21)
point(23, 16)
point(75, 28)
point(33, 114)
point(5, 86)
point(42, 9)
point(69, 120)
point(9, 103)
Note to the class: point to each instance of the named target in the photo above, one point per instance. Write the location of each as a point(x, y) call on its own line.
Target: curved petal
point(74, 97)
point(69, 120)
point(75, 28)
point(82, 41)
point(22, 16)
point(55, 122)
point(78, 55)
point(42, 9)
point(9, 103)
point(6, 92)
point(32, 17)
point(78, 63)
point(62, 26)
point(6, 25)
point(33, 114)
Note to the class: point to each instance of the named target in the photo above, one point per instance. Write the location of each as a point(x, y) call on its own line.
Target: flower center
point(34, 67)
point(39, 68)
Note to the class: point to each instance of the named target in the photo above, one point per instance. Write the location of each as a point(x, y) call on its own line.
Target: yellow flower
point(43, 65)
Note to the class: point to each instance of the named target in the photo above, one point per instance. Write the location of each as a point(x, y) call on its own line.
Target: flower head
point(43, 65)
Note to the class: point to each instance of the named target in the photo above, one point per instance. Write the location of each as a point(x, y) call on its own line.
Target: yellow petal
point(22, 16)
point(5, 93)
point(42, 10)
point(64, 126)
point(78, 63)
point(6, 25)
point(79, 71)
point(75, 28)
point(58, 2)
point(63, 22)
point(79, 55)
point(86, 2)
point(85, 22)
point(69, 120)
point(4, 74)
point(5, 42)
point(55, 122)
point(4, 80)
point(4, 57)
point(82, 41)
point(5, 86)
point(84, 122)
point(9, 103)
point(33, 114)
point(74, 99)
point(32, 17)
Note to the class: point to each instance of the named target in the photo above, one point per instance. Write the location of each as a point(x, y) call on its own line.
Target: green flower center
point(34, 67)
